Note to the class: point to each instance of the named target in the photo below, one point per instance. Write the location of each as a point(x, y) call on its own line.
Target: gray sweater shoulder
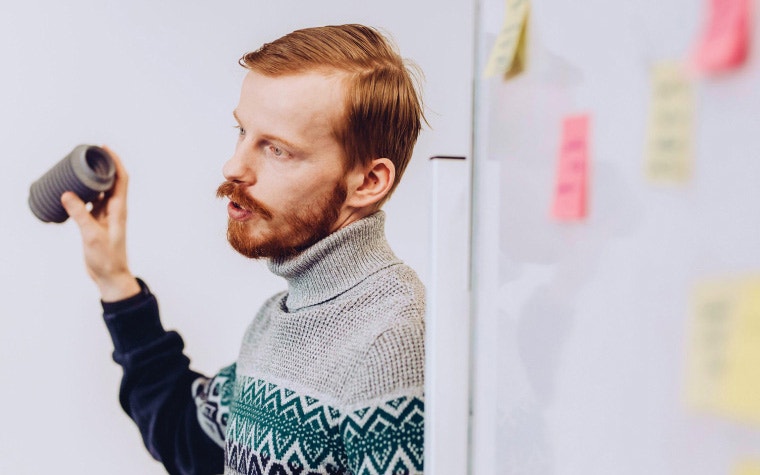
point(393, 359)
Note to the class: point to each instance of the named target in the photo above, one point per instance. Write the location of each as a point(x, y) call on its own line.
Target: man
point(330, 374)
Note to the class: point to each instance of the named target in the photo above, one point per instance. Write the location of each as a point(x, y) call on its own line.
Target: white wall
point(157, 81)
point(582, 328)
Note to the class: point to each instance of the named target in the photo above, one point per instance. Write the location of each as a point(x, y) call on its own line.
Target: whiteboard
point(581, 329)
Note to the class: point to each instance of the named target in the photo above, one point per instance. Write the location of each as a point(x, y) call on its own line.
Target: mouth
point(241, 206)
point(237, 212)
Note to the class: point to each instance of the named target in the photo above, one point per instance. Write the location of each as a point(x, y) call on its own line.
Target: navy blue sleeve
point(156, 389)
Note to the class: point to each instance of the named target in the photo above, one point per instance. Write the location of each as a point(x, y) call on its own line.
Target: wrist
point(118, 288)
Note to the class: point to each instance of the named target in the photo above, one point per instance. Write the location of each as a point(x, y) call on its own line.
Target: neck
point(336, 263)
point(351, 215)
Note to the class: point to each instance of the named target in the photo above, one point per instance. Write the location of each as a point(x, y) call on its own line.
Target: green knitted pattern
point(274, 430)
point(387, 438)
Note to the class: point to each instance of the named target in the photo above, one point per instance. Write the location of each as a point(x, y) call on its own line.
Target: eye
point(241, 130)
point(277, 151)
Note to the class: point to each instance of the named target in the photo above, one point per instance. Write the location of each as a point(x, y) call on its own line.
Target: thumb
point(76, 209)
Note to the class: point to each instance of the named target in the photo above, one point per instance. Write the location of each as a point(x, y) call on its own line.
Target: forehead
point(304, 104)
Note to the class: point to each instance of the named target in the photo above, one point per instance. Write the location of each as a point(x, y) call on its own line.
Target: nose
point(238, 168)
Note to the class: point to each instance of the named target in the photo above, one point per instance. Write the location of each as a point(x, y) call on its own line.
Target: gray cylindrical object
point(87, 171)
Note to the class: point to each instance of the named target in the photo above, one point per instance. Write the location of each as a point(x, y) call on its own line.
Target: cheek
point(274, 187)
point(285, 196)
point(290, 188)
point(311, 187)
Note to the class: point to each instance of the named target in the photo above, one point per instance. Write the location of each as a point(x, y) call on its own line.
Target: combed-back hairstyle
point(383, 109)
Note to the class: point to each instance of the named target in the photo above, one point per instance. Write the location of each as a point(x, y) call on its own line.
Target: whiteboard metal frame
point(447, 392)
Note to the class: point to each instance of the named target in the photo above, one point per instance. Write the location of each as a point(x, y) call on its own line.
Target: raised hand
point(103, 232)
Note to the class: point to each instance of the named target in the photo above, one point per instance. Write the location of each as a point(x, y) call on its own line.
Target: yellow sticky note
point(714, 310)
point(723, 373)
point(741, 392)
point(509, 55)
point(670, 129)
point(747, 467)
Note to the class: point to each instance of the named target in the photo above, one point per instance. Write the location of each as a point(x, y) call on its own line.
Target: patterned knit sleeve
point(213, 397)
point(383, 430)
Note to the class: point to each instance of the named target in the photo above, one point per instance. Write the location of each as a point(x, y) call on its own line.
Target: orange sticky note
point(570, 192)
point(725, 42)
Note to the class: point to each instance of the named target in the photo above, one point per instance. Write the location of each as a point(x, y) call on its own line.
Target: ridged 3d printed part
point(87, 171)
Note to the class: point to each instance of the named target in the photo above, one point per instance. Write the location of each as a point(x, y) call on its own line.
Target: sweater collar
point(336, 263)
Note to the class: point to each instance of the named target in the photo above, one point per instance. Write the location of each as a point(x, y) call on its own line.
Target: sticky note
point(723, 375)
point(509, 53)
point(570, 191)
point(741, 392)
point(670, 128)
point(747, 467)
point(714, 310)
point(724, 44)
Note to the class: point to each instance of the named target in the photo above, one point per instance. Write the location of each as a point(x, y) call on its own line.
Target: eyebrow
point(290, 145)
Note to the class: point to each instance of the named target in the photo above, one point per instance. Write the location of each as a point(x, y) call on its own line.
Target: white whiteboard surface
point(581, 329)
point(157, 81)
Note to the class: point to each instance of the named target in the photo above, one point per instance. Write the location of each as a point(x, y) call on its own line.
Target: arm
point(156, 390)
point(157, 387)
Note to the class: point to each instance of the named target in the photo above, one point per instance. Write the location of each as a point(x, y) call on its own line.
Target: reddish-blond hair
point(383, 109)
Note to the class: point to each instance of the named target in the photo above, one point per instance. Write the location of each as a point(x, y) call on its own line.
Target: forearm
point(118, 287)
point(156, 387)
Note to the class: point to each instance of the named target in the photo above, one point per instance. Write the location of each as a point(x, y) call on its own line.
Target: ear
point(369, 184)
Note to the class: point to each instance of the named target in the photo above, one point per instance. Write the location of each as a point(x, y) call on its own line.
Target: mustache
point(237, 195)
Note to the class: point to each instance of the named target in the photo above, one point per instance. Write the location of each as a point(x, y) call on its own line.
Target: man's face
point(286, 179)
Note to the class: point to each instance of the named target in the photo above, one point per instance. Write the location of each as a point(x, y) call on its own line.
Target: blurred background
point(615, 266)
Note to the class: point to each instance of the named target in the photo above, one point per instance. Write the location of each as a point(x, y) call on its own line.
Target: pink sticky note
point(570, 192)
point(725, 42)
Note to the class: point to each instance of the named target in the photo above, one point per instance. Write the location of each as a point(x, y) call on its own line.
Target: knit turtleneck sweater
point(330, 375)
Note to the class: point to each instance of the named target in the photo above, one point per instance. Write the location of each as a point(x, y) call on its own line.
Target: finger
point(114, 203)
point(100, 206)
point(77, 209)
point(120, 185)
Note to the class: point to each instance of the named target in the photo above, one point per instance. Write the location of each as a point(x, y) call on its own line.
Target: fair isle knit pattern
point(330, 375)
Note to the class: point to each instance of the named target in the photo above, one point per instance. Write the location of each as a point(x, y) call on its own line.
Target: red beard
point(299, 229)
